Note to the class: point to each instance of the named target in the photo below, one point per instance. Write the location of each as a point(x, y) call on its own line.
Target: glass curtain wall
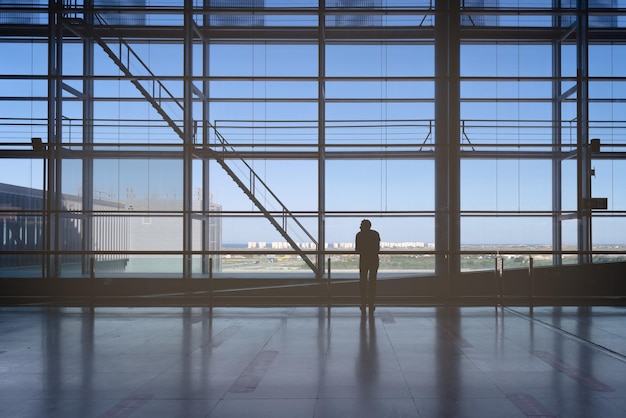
point(171, 138)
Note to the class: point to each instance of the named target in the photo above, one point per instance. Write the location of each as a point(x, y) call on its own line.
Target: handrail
point(258, 178)
point(250, 192)
point(118, 59)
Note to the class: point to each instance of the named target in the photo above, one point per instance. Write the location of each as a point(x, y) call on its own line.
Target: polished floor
point(313, 362)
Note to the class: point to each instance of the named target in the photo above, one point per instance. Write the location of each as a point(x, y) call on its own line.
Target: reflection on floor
point(310, 362)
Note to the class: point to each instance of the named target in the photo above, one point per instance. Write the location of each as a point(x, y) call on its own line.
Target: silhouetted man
point(367, 246)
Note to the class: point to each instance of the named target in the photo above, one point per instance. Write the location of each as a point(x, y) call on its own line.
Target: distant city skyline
point(283, 245)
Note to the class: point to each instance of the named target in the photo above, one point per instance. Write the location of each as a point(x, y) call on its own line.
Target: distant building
point(343, 245)
point(481, 19)
point(22, 227)
point(595, 21)
point(163, 232)
point(360, 15)
point(239, 16)
point(116, 18)
point(15, 17)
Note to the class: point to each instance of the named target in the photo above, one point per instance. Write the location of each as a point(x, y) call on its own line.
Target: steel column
point(447, 134)
point(583, 159)
point(557, 140)
point(188, 140)
point(52, 189)
point(206, 111)
point(88, 116)
point(321, 129)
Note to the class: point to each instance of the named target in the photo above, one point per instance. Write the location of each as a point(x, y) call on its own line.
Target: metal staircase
point(157, 94)
point(155, 91)
point(258, 187)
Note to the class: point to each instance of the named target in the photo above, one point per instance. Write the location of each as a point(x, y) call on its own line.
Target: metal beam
point(583, 161)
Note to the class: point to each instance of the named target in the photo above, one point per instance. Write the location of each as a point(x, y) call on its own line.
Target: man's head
point(366, 225)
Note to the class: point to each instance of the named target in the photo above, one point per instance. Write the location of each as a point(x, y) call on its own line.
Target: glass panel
point(26, 173)
point(569, 197)
point(380, 185)
point(506, 185)
point(139, 185)
point(506, 60)
point(21, 230)
point(379, 60)
point(21, 224)
point(263, 60)
point(153, 232)
point(71, 261)
point(507, 231)
point(369, 126)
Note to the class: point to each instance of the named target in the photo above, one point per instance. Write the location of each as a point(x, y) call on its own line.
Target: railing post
point(210, 285)
point(531, 281)
point(498, 273)
point(328, 285)
point(501, 280)
point(495, 280)
point(92, 277)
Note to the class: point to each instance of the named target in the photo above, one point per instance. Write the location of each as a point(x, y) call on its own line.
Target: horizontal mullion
point(287, 78)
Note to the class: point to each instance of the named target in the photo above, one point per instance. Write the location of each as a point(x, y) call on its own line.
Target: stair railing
point(157, 94)
point(257, 187)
